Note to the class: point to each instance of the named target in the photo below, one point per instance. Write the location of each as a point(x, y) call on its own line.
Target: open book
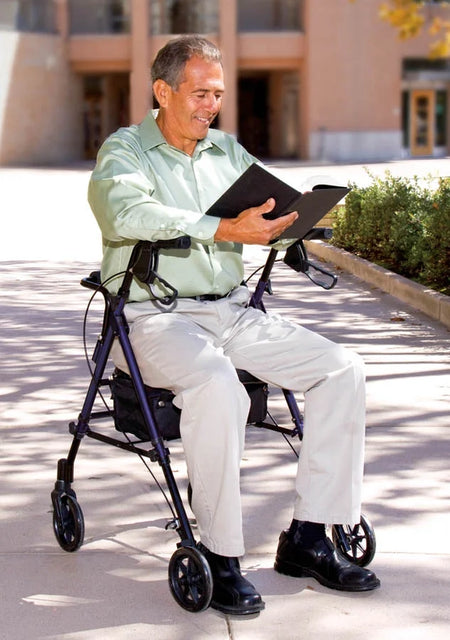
point(257, 184)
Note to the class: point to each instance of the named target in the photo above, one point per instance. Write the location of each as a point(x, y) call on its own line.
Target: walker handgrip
point(183, 242)
point(144, 260)
point(319, 233)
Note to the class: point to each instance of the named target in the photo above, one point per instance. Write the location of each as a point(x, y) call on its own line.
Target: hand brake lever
point(316, 280)
point(145, 267)
point(297, 258)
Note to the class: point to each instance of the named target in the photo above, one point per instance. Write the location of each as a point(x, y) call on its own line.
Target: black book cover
point(257, 184)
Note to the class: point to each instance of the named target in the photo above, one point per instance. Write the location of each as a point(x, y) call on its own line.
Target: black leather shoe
point(322, 562)
point(232, 593)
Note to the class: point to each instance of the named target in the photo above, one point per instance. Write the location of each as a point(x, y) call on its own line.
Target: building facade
point(318, 80)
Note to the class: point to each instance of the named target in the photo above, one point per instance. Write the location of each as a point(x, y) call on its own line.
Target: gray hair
point(171, 59)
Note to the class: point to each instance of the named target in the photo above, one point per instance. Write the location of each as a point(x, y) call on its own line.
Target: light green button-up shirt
point(142, 188)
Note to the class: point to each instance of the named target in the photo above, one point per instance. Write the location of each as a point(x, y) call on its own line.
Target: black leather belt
point(210, 297)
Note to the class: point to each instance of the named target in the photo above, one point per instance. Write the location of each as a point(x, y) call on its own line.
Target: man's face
point(188, 111)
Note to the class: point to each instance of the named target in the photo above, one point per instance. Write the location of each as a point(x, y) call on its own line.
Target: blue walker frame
point(190, 578)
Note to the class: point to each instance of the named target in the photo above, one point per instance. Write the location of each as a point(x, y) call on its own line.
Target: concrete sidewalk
point(116, 585)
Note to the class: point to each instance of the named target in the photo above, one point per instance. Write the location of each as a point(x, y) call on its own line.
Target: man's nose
point(212, 103)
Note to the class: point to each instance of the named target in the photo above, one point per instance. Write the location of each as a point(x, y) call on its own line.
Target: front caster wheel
point(69, 524)
point(190, 579)
point(356, 543)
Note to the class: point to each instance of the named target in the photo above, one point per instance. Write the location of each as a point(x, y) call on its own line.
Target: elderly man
point(155, 181)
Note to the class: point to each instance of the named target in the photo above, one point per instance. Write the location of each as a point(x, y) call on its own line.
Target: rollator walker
point(148, 419)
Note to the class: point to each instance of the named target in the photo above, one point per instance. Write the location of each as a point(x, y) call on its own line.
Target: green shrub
point(345, 228)
point(401, 225)
point(436, 247)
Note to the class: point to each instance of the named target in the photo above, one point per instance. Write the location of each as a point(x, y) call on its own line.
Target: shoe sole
point(236, 611)
point(293, 570)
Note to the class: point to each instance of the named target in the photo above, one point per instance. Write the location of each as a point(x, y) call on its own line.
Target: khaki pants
point(195, 347)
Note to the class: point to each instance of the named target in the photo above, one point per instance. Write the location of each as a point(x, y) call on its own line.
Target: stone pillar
point(140, 72)
point(228, 41)
point(306, 8)
point(62, 18)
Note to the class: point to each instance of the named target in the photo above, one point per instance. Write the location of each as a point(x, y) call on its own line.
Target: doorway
point(422, 122)
point(106, 108)
point(268, 103)
point(253, 109)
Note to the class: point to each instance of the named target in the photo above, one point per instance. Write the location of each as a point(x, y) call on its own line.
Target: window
point(441, 119)
point(269, 15)
point(99, 16)
point(420, 65)
point(405, 119)
point(184, 16)
point(36, 16)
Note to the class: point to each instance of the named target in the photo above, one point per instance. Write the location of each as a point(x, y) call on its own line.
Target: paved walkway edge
point(432, 303)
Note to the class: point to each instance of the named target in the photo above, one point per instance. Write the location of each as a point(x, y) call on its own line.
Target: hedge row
point(402, 224)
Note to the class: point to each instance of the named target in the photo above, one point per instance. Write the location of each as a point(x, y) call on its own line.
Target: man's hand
point(251, 228)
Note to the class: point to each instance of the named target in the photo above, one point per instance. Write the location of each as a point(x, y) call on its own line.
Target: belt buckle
point(208, 297)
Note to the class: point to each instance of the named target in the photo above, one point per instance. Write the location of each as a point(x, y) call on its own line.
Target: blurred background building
point(316, 80)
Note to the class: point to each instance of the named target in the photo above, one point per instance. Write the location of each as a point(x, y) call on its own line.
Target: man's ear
point(161, 91)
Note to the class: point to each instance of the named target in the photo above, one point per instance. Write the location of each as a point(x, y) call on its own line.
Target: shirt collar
point(152, 137)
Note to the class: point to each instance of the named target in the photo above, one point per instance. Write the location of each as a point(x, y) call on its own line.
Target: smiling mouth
point(205, 121)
